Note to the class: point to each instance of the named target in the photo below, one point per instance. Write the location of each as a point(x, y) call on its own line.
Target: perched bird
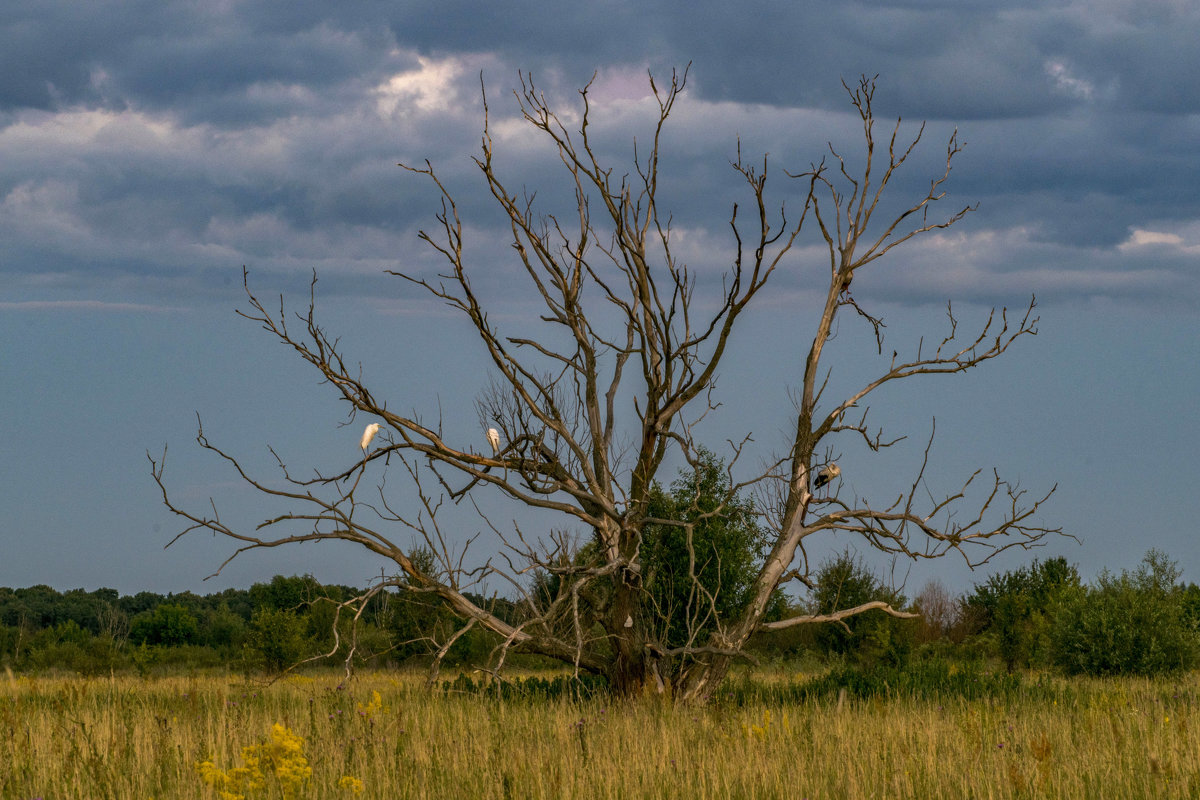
point(846, 283)
point(826, 474)
point(493, 437)
point(368, 435)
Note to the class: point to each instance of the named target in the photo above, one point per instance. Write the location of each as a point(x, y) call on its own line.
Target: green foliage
point(70, 647)
point(289, 593)
point(91, 632)
point(936, 679)
point(699, 556)
point(1142, 621)
point(930, 678)
point(223, 629)
point(169, 624)
point(700, 567)
point(1190, 601)
point(1135, 623)
point(142, 601)
point(9, 637)
point(1016, 609)
point(872, 637)
point(276, 639)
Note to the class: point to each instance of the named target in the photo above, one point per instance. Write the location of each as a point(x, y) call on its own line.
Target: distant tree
point(9, 637)
point(1191, 605)
point(236, 600)
point(592, 395)
point(1134, 623)
point(13, 611)
point(1016, 608)
point(111, 621)
point(39, 606)
point(844, 581)
point(89, 610)
point(275, 640)
point(939, 610)
point(169, 625)
point(286, 593)
point(142, 601)
point(222, 628)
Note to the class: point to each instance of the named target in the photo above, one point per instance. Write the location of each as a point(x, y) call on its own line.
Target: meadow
point(383, 735)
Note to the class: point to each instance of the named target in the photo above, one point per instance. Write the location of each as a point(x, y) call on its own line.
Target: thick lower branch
point(837, 616)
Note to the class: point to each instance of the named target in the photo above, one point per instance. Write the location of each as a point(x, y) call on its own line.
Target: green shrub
point(872, 637)
point(1135, 623)
point(1015, 610)
point(276, 639)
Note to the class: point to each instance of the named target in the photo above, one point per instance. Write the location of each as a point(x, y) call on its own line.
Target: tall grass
point(127, 738)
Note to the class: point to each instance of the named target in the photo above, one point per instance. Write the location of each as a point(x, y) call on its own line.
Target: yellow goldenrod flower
point(372, 708)
point(282, 758)
point(351, 784)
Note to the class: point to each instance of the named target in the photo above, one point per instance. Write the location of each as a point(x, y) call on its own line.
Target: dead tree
point(614, 376)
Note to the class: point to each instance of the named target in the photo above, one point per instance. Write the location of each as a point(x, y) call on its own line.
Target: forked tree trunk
point(698, 683)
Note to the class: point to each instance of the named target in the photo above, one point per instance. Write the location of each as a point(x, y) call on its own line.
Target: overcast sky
point(151, 148)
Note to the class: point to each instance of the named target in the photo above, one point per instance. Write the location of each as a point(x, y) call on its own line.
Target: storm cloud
point(156, 146)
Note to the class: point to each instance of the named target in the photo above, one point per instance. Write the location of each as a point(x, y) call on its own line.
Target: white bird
point(493, 437)
point(826, 474)
point(368, 435)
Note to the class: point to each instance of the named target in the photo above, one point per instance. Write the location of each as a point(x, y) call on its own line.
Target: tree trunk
point(700, 680)
point(627, 676)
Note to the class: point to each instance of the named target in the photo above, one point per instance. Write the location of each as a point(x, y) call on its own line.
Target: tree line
point(269, 627)
point(1140, 621)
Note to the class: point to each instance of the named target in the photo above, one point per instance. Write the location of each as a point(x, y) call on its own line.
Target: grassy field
point(384, 736)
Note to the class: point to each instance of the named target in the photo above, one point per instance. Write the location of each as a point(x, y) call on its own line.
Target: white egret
point(493, 437)
point(826, 474)
point(368, 435)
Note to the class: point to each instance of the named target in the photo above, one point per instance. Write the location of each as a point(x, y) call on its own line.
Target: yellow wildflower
point(351, 784)
point(760, 731)
point(372, 708)
point(282, 758)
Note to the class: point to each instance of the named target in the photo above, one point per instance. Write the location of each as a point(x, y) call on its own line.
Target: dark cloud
point(187, 139)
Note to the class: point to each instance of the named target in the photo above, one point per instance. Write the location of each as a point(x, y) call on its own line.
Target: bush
point(1015, 610)
point(872, 637)
point(276, 639)
point(66, 646)
point(1136, 623)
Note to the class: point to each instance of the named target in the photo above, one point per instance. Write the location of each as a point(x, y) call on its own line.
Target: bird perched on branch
point(845, 288)
point(826, 474)
point(368, 434)
point(493, 437)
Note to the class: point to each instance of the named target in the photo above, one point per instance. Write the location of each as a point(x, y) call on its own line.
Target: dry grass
point(126, 738)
